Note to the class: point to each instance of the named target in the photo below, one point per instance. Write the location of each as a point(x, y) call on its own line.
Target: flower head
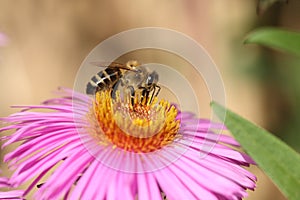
point(108, 149)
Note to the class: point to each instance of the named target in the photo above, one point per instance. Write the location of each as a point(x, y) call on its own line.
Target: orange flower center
point(140, 128)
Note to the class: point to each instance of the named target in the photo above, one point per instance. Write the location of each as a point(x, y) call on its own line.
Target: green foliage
point(280, 162)
point(276, 38)
point(288, 83)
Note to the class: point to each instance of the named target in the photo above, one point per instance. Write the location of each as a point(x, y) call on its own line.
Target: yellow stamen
point(139, 128)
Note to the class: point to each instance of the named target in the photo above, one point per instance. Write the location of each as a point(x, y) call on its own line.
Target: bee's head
point(152, 78)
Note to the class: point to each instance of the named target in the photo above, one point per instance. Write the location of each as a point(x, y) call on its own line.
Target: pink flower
point(82, 150)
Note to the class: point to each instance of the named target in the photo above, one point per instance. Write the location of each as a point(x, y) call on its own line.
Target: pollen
point(139, 128)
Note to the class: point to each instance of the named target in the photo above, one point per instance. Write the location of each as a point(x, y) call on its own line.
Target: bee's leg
point(155, 93)
point(131, 94)
point(152, 90)
point(114, 90)
point(156, 86)
point(144, 95)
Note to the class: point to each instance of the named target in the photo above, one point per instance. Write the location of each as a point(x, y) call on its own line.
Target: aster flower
point(85, 148)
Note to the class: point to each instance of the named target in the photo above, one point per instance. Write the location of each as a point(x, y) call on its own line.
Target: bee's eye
point(153, 77)
point(149, 79)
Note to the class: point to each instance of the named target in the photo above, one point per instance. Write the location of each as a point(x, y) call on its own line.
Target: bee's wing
point(111, 65)
point(102, 64)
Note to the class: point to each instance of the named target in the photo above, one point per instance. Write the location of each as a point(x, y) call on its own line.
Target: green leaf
point(276, 38)
point(280, 162)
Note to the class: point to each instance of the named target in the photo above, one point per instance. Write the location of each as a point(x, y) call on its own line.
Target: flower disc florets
point(138, 127)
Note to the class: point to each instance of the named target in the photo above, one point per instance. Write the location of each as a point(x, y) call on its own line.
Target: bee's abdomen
point(103, 80)
point(90, 88)
point(113, 74)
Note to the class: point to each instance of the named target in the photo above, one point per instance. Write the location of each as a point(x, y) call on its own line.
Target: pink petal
point(147, 187)
point(14, 194)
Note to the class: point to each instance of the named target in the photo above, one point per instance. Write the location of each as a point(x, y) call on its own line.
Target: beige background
point(50, 39)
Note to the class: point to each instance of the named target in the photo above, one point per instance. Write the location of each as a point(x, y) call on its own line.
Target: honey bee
point(107, 78)
point(139, 82)
point(129, 79)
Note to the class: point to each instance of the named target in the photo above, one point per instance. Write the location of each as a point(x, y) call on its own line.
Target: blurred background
point(48, 40)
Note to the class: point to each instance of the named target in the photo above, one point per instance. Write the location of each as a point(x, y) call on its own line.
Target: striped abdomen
point(103, 80)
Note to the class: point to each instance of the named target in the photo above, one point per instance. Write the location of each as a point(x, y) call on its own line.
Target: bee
point(139, 82)
point(129, 79)
point(107, 78)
